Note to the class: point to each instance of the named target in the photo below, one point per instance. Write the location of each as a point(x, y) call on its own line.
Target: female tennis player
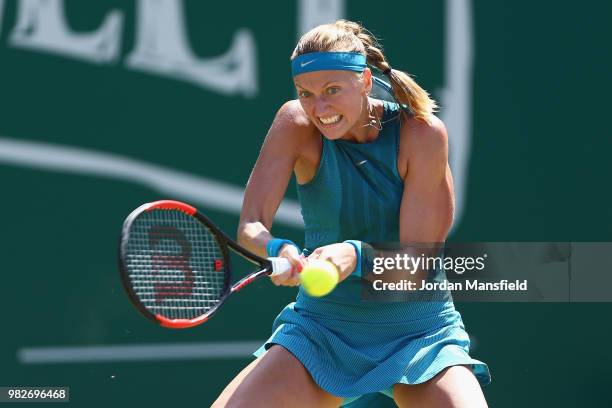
point(367, 170)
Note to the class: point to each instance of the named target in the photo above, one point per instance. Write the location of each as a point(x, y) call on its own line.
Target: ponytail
point(405, 89)
point(349, 36)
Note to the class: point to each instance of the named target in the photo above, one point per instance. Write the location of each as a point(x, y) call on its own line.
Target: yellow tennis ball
point(319, 277)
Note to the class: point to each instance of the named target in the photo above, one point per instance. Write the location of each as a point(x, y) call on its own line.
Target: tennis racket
point(175, 264)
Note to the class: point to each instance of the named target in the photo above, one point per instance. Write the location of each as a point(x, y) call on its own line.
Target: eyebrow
point(324, 85)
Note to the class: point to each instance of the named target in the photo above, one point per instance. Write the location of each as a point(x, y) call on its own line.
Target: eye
point(332, 90)
point(303, 94)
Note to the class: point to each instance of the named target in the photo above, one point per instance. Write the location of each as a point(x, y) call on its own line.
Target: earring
point(374, 119)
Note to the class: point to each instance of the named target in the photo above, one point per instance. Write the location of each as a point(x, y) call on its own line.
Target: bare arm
point(270, 177)
point(426, 212)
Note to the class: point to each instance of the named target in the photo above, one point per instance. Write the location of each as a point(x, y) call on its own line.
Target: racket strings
point(175, 264)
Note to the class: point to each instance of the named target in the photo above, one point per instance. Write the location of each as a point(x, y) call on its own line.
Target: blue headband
point(324, 61)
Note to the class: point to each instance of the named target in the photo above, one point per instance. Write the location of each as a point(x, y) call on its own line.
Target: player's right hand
point(292, 276)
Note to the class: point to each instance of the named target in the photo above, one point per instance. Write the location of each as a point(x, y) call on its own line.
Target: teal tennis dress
point(353, 347)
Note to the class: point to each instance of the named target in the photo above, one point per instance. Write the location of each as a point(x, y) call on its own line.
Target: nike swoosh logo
point(361, 163)
point(303, 64)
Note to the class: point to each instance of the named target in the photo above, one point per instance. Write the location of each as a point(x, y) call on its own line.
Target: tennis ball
point(319, 277)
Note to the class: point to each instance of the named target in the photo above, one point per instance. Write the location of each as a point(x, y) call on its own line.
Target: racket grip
point(279, 265)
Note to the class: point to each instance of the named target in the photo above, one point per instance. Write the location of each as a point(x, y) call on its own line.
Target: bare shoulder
point(294, 138)
point(422, 144)
point(291, 117)
point(420, 136)
point(292, 111)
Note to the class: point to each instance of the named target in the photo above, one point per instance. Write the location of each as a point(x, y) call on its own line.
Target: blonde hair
point(349, 36)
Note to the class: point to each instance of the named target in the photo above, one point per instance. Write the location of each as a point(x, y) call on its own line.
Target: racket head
point(174, 263)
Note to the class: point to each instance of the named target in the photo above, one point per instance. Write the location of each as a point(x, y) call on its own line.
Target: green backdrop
point(538, 171)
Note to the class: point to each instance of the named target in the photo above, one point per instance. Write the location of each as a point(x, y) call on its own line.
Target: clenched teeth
point(330, 120)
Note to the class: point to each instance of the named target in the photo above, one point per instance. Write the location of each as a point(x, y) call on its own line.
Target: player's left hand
point(342, 255)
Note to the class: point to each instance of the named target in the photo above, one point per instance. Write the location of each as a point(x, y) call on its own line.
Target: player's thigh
point(276, 379)
point(454, 387)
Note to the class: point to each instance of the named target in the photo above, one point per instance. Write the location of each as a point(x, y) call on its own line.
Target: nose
point(322, 107)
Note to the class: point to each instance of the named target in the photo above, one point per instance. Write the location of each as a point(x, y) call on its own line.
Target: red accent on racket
point(175, 265)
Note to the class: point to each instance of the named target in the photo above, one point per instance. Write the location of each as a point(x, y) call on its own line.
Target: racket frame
point(225, 243)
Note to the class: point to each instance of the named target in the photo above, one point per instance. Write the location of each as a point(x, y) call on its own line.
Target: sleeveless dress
point(349, 346)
